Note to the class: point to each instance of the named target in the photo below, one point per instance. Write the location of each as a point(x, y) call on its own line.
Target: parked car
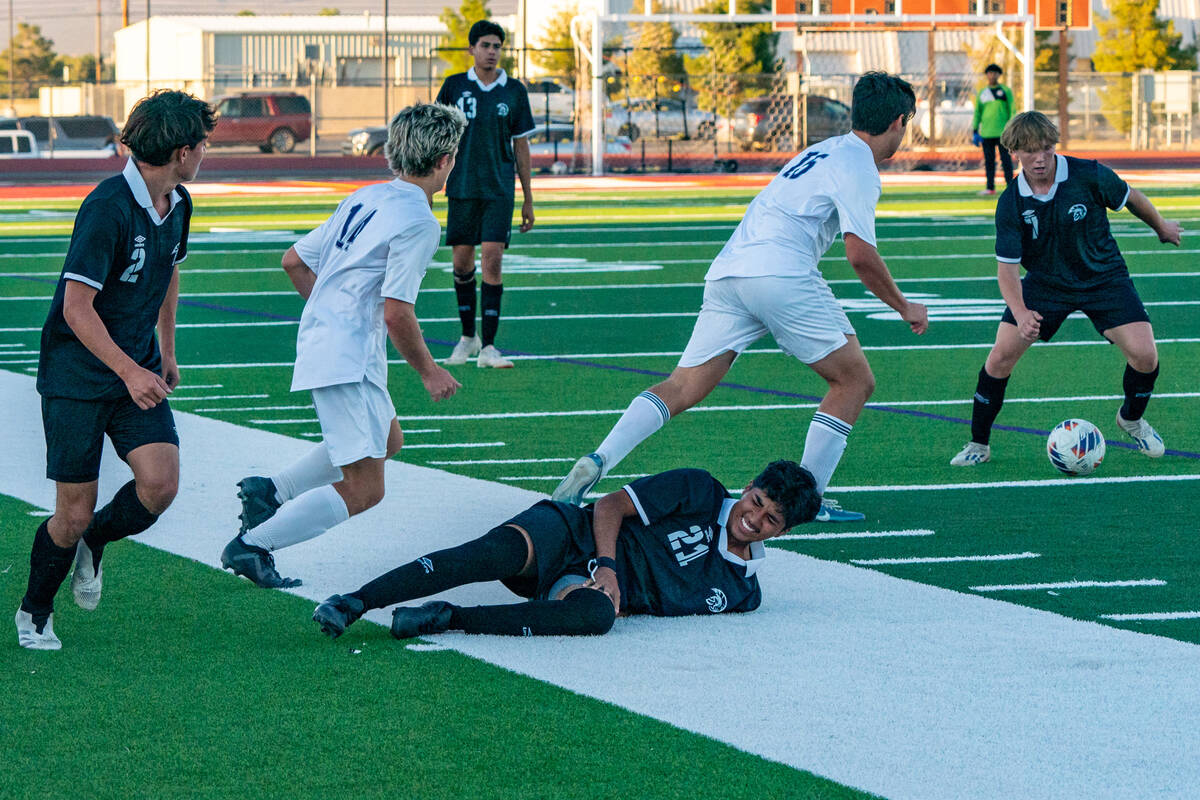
point(765, 123)
point(367, 141)
point(275, 121)
point(952, 122)
point(552, 99)
point(659, 118)
point(16, 143)
point(80, 136)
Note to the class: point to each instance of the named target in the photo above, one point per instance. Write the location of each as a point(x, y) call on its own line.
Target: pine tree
point(34, 61)
point(1133, 38)
point(458, 25)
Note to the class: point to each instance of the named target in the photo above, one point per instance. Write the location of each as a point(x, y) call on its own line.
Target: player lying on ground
point(359, 273)
point(767, 280)
point(1053, 221)
point(670, 544)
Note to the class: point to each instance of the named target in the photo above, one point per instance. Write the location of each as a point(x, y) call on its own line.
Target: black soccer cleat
point(338, 613)
point(254, 563)
point(258, 501)
point(433, 617)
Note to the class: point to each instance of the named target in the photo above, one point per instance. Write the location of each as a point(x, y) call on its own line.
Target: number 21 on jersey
point(807, 162)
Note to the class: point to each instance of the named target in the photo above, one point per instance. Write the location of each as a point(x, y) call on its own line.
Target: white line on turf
point(631, 476)
point(498, 461)
point(1038, 587)
point(453, 445)
point(1048, 482)
point(1154, 616)
point(199, 398)
point(872, 562)
point(194, 386)
point(817, 537)
point(1108, 712)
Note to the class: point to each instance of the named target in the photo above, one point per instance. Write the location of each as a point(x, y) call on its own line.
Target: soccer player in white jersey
point(766, 279)
point(359, 273)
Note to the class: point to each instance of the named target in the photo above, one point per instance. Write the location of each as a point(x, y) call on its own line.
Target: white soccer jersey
point(833, 185)
point(377, 244)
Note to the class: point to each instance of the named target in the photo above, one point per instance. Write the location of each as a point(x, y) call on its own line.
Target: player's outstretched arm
point(405, 333)
point(524, 173)
point(299, 273)
point(166, 332)
point(1029, 322)
point(1139, 205)
point(147, 388)
point(869, 267)
point(607, 515)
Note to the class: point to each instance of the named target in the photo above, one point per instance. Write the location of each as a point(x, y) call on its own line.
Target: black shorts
point(1107, 306)
point(563, 544)
point(75, 433)
point(474, 220)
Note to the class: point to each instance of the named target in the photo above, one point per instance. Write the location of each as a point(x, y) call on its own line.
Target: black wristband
point(605, 561)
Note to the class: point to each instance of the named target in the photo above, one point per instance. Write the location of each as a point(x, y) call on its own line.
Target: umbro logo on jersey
point(137, 260)
point(716, 602)
point(1030, 218)
point(1077, 211)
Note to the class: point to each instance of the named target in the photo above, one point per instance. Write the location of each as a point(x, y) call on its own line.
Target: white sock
point(646, 414)
point(823, 447)
point(306, 517)
point(311, 470)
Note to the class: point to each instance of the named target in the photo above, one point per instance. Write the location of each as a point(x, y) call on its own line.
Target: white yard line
point(499, 461)
point(199, 398)
point(1154, 616)
point(632, 476)
point(1040, 587)
point(878, 562)
point(1048, 482)
point(817, 537)
point(875, 682)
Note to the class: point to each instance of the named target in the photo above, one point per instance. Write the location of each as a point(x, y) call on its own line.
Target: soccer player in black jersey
point(1053, 221)
point(102, 371)
point(480, 188)
point(668, 545)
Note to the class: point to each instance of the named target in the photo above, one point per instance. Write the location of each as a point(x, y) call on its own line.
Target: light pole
point(12, 60)
point(386, 83)
point(147, 47)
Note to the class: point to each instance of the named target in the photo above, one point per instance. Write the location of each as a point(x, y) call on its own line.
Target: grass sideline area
point(599, 300)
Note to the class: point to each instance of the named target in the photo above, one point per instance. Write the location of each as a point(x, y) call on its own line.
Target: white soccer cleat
point(467, 347)
point(34, 637)
point(582, 478)
point(974, 453)
point(1147, 439)
point(490, 357)
point(87, 579)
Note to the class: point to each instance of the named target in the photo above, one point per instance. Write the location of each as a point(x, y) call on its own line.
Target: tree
point(556, 49)
point(245, 12)
point(329, 12)
point(1133, 38)
point(735, 58)
point(654, 67)
point(458, 25)
point(34, 61)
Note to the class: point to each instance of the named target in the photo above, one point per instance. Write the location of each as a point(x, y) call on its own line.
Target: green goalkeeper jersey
point(993, 110)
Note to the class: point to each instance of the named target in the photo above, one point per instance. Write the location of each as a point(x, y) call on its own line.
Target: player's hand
point(917, 317)
point(605, 580)
point(440, 384)
point(526, 216)
point(147, 389)
point(1170, 232)
point(170, 372)
point(1029, 326)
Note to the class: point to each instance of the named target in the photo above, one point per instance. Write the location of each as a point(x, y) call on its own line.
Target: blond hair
point(1029, 132)
point(420, 135)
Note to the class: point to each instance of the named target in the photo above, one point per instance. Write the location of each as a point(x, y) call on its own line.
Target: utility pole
point(97, 80)
point(147, 47)
point(387, 84)
point(124, 13)
point(12, 61)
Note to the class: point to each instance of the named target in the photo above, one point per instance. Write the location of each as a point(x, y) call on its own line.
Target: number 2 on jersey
point(802, 166)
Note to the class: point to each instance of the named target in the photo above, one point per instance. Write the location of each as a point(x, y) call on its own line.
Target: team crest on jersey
point(717, 602)
point(502, 109)
point(1030, 218)
point(1077, 211)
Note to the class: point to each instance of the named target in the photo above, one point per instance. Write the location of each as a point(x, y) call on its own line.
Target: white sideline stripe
point(195, 386)
point(175, 399)
point(1072, 708)
point(937, 487)
point(633, 476)
point(460, 445)
point(20, 361)
point(871, 562)
point(308, 407)
point(502, 461)
point(1155, 616)
point(816, 537)
point(1037, 587)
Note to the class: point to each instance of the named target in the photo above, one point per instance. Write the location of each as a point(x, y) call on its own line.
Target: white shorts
point(355, 420)
point(800, 312)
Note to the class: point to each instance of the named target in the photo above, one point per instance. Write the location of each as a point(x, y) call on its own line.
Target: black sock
point(989, 397)
point(498, 554)
point(464, 290)
point(123, 516)
point(48, 568)
point(583, 612)
point(1138, 388)
point(489, 301)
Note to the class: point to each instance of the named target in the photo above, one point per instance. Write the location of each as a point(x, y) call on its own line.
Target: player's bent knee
point(70, 524)
point(596, 611)
point(157, 495)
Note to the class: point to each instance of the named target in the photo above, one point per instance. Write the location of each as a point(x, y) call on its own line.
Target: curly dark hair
point(165, 121)
point(878, 99)
point(791, 487)
point(485, 27)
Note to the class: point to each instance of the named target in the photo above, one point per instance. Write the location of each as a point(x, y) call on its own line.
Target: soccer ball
point(1075, 447)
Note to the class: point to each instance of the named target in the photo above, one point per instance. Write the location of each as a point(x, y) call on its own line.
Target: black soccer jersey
point(1065, 242)
point(120, 248)
point(495, 113)
point(672, 558)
